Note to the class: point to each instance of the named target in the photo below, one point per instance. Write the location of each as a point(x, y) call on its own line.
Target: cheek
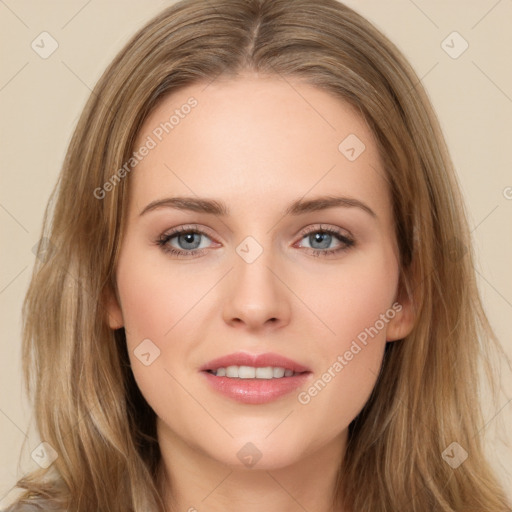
point(355, 307)
point(154, 297)
point(155, 303)
point(352, 298)
point(165, 311)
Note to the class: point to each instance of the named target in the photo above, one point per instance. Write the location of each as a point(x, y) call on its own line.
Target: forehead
point(256, 140)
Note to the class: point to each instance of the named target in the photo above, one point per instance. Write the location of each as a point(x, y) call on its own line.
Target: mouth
point(255, 379)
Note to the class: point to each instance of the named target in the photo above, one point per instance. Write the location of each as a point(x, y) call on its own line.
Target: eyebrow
point(298, 207)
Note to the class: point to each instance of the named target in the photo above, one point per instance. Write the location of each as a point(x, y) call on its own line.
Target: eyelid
point(325, 228)
point(187, 228)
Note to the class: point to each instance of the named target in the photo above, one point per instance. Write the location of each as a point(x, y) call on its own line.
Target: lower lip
point(256, 391)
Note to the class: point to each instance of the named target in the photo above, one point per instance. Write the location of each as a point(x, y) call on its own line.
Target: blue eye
point(320, 241)
point(187, 242)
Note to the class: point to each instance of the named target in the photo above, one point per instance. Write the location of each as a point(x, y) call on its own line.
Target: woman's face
point(295, 257)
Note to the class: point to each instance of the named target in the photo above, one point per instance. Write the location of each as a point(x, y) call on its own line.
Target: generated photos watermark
point(357, 345)
point(150, 143)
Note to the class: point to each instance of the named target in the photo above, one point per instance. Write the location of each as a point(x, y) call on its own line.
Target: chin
point(256, 452)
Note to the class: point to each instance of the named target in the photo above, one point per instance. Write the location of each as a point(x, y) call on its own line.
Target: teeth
point(279, 372)
point(250, 372)
point(232, 371)
point(246, 372)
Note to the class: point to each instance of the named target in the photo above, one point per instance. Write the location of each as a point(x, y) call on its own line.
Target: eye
point(190, 241)
point(184, 241)
point(320, 240)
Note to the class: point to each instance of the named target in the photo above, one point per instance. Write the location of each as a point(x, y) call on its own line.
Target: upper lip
point(255, 360)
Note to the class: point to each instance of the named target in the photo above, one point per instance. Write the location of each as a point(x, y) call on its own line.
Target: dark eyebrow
point(194, 204)
point(298, 207)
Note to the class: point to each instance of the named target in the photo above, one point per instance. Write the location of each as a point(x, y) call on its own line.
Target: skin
point(257, 144)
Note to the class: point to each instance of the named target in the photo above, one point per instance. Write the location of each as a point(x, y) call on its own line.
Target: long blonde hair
point(86, 403)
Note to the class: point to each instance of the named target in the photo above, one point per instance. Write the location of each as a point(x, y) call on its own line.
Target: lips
point(255, 360)
point(253, 390)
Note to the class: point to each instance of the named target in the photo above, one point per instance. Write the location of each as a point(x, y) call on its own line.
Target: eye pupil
point(187, 239)
point(322, 238)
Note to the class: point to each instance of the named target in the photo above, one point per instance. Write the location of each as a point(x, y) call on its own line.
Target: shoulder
point(23, 507)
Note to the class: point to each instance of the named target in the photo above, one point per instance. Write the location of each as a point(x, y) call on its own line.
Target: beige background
point(40, 101)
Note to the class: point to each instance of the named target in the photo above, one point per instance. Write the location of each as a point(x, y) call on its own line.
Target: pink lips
point(256, 360)
point(255, 391)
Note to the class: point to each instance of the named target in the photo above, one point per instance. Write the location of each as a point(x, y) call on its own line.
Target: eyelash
point(163, 241)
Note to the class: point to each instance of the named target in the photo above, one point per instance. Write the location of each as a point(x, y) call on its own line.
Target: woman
point(257, 286)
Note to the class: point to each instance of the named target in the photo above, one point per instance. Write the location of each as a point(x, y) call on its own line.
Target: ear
point(403, 322)
point(114, 313)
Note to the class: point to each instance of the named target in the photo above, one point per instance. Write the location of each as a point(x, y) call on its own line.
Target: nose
point(257, 297)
